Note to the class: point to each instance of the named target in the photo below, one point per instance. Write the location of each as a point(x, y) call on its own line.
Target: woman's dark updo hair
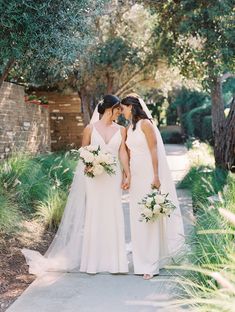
point(137, 110)
point(109, 101)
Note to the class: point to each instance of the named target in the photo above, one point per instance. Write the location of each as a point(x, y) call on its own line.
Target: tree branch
point(226, 76)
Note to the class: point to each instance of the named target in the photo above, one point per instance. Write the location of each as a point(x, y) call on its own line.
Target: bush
point(172, 117)
point(207, 129)
point(210, 283)
point(30, 179)
point(189, 99)
point(51, 210)
point(204, 181)
point(203, 178)
point(9, 214)
point(194, 119)
point(171, 137)
point(27, 183)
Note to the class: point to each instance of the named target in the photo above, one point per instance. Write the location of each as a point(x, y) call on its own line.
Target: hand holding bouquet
point(155, 204)
point(96, 161)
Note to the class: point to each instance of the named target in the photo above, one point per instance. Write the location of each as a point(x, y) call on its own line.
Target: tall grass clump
point(51, 210)
point(209, 285)
point(203, 179)
point(207, 276)
point(9, 215)
point(29, 182)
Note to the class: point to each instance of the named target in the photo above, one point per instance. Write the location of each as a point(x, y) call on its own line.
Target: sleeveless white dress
point(103, 247)
point(150, 242)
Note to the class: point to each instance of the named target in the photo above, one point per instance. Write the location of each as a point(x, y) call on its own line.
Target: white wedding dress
point(153, 244)
point(103, 241)
point(90, 237)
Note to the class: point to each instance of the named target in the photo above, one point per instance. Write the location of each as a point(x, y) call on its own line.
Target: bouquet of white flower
point(96, 161)
point(154, 205)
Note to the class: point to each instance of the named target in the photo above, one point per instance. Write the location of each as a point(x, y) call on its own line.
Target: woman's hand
point(126, 180)
point(156, 182)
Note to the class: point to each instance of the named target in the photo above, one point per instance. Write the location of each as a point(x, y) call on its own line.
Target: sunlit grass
point(29, 182)
point(9, 214)
point(51, 210)
point(208, 272)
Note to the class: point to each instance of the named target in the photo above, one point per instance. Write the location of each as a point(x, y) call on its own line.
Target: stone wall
point(66, 121)
point(23, 127)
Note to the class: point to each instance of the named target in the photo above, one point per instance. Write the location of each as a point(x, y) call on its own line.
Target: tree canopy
point(45, 36)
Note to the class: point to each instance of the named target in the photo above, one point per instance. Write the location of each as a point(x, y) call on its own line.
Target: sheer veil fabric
point(64, 253)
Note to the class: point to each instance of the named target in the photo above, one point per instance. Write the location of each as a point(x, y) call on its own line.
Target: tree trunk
point(85, 103)
point(222, 128)
point(6, 70)
point(228, 139)
point(110, 81)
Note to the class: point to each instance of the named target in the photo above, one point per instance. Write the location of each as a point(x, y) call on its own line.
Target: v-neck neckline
point(103, 138)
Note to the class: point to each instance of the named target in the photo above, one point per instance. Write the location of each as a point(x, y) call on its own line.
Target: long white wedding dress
point(153, 244)
point(103, 241)
point(90, 237)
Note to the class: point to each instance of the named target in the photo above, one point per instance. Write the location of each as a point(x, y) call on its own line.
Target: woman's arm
point(151, 138)
point(123, 154)
point(86, 138)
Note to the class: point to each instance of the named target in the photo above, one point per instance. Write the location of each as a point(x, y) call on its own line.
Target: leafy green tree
point(43, 38)
point(198, 36)
point(122, 58)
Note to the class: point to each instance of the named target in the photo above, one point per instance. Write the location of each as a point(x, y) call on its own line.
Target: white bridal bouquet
point(154, 205)
point(96, 161)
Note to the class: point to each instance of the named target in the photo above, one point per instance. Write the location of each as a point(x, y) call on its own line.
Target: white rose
point(156, 208)
point(109, 159)
point(92, 148)
point(87, 156)
point(81, 151)
point(98, 170)
point(149, 200)
point(159, 199)
point(100, 158)
point(147, 212)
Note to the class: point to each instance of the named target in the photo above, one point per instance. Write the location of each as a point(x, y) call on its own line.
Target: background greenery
point(34, 186)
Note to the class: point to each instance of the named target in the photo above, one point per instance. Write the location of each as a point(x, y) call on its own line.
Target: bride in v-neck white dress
point(103, 240)
point(90, 237)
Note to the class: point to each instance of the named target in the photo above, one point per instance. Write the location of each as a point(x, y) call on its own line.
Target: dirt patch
point(14, 276)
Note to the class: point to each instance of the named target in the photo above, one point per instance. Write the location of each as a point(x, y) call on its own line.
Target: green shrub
point(23, 178)
point(51, 210)
point(29, 179)
point(58, 167)
point(171, 115)
point(203, 181)
point(9, 214)
point(193, 119)
point(188, 99)
point(207, 129)
point(209, 284)
point(171, 137)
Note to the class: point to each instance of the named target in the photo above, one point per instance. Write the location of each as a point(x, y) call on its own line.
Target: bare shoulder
point(146, 125)
point(88, 129)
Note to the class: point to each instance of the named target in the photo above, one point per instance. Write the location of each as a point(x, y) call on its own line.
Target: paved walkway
point(79, 292)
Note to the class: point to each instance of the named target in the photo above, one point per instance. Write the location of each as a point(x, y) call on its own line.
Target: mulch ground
point(14, 276)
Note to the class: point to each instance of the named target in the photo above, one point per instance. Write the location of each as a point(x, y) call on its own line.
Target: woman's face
point(116, 112)
point(126, 111)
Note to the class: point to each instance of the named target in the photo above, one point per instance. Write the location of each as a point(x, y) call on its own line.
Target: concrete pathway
point(79, 292)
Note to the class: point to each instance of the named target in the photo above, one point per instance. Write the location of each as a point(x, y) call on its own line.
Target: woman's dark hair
point(109, 101)
point(137, 110)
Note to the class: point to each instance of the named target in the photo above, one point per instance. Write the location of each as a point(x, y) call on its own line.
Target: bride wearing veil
point(153, 243)
point(90, 237)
